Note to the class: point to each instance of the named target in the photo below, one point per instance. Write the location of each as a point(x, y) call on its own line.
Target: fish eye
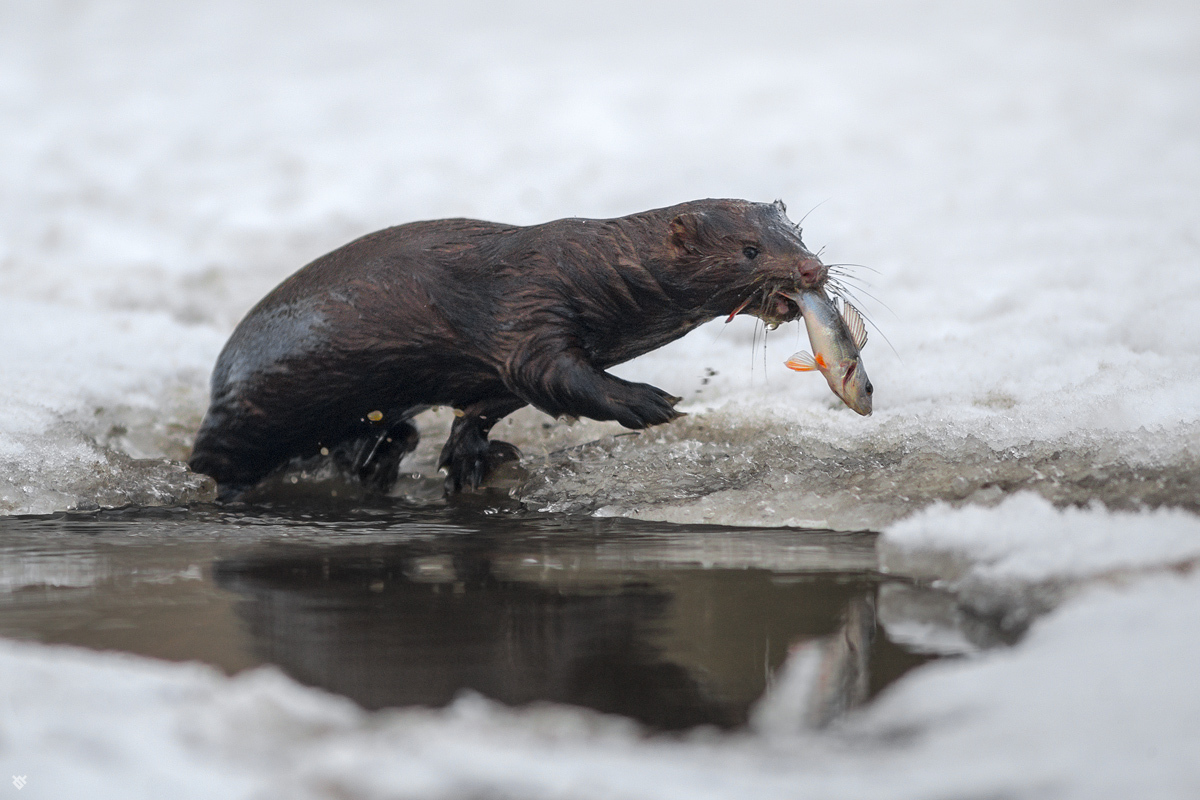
point(870, 388)
point(750, 252)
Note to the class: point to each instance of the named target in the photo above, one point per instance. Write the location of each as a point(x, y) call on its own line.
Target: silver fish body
point(836, 338)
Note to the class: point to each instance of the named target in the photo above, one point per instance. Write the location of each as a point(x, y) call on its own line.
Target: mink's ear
point(687, 233)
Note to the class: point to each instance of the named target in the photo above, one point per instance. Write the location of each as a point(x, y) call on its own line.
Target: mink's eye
point(750, 251)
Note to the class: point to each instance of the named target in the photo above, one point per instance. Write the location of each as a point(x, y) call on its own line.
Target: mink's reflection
point(397, 624)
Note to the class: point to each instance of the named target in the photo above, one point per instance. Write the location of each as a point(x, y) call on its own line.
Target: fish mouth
point(782, 307)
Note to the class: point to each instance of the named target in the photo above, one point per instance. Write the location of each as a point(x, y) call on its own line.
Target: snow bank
point(1010, 563)
point(1025, 179)
point(96, 404)
point(1027, 540)
point(1096, 702)
point(1064, 714)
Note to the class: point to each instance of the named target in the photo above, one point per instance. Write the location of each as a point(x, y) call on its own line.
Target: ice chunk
point(1019, 558)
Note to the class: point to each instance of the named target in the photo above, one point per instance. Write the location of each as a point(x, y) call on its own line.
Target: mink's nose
point(811, 272)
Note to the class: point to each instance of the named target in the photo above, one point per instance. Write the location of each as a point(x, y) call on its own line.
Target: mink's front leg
point(557, 378)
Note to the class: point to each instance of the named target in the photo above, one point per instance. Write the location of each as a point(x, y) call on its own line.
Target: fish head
point(849, 381)
point(836, 337)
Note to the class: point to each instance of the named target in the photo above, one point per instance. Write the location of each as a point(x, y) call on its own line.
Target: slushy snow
point(1022, 182)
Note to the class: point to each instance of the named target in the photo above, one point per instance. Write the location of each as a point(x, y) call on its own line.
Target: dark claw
point(471, 465)
point(500, 452)
point(646, 405)
point(468, 457)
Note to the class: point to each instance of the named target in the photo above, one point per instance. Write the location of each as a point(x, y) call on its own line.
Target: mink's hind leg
point(380, 465)
point(468, 456)
point(375, 458)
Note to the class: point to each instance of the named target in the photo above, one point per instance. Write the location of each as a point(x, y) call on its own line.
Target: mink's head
point(728, 257)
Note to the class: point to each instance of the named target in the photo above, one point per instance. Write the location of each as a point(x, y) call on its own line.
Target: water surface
point(391, 605)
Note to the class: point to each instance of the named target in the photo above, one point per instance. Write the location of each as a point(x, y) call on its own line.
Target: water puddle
point(674, 626)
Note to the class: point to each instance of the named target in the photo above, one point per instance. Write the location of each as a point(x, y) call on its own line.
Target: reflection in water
point(672, 626)
point(673, 648)
point(376, 629)
point(823, 677)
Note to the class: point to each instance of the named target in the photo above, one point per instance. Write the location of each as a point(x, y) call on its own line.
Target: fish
point(836, 338)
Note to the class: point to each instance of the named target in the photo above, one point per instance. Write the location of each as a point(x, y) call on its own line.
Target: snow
point(1026, 540)
point(1024, 180)
point(1020, 558)
point(1093, 703)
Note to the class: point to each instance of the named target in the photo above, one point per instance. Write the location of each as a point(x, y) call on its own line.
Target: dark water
point(391, 606)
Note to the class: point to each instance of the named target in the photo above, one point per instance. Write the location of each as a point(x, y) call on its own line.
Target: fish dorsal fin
point(854, 324)
point(802, 362)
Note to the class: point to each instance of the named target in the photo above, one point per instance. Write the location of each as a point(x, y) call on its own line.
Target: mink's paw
point(377, 463)
point(469, 463)
point(644, 405)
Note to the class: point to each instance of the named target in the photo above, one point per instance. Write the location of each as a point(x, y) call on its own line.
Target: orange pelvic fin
point(802, 362)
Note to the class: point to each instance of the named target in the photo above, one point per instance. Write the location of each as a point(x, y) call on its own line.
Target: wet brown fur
point(486, 318)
